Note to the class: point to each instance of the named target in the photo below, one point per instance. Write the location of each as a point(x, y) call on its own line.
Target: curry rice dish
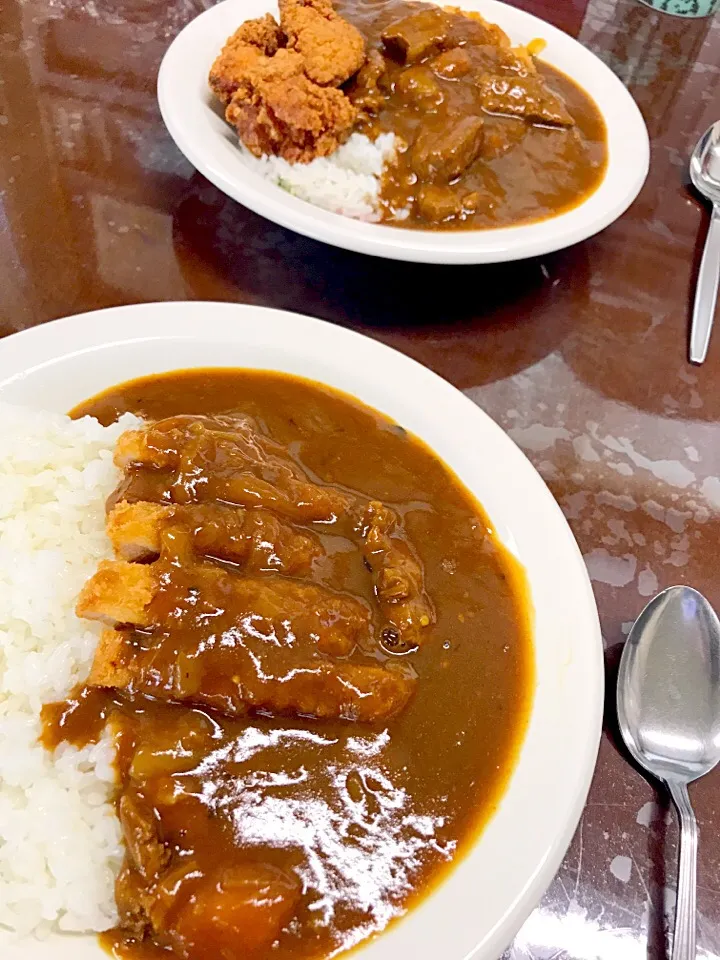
point(408, 113)
point(314, 666)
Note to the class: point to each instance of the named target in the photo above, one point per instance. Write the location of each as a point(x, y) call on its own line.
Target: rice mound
point(60, 841)
point(346, 182)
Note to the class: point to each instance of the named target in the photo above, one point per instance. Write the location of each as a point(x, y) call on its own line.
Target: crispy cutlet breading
point(332, 48)
point(132, 447)
point(112, 664)
point(251, 42)
point(134, 529)
point(286, 114)
point(119, 592)
point(257, 539)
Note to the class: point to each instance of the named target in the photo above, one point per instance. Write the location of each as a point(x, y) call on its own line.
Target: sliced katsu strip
point(119, 593)
point(397, 578)
point(319, 689)
point(227, 459)
point(285, 613)
point(255, 539)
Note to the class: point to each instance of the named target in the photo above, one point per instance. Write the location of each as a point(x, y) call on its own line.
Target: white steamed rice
point(60, 841)
point(347, 182)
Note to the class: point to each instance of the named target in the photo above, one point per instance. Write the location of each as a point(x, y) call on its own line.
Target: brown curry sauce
point(353, 821)
point(525, 171)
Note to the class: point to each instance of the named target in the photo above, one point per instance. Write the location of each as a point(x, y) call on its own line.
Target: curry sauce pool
point(494, 136)
point(301, 823)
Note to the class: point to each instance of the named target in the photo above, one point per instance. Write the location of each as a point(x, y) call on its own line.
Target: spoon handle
point(685, 908)
point(706, 293)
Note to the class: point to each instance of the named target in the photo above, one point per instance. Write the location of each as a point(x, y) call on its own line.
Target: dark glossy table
point(581, 356)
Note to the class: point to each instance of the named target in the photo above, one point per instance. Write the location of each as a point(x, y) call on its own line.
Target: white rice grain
point(60, 841)
point(347, 182)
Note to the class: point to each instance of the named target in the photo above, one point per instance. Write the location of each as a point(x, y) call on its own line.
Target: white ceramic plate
point(483, 902)
point(198, 129)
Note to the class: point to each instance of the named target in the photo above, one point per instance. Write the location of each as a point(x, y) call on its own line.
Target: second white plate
point(210, 144)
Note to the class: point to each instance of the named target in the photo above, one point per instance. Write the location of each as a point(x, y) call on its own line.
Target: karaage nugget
point(333, 49)
point(251, 42)
point(280, 111)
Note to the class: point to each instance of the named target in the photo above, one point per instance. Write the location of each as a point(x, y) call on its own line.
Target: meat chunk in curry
point(478, 120)
point(413, 37)
point(442, 159)
point(527, 98)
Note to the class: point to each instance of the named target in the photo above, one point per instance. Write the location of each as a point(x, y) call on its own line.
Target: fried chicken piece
point(251, 42)
point(333, 49)
point(281, 112)
point(118, 592)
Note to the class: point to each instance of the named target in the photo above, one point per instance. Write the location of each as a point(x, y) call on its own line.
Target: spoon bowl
point(705, 175)
point(668, 703)
point(669, 686)
point(705, 164)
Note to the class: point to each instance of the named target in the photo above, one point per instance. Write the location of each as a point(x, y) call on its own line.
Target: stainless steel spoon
point(705, 174)
point(668, 702)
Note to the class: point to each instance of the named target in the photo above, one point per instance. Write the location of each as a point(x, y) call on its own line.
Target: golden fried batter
point(118, 592)
point(285, 102)
point(333, 49)
point(250, 42)
point(280, 111)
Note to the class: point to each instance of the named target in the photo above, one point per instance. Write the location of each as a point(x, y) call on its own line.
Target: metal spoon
point(705, 174)
point(668, 703)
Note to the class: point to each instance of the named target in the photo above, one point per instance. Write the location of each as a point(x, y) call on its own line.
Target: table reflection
point(579, 355)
